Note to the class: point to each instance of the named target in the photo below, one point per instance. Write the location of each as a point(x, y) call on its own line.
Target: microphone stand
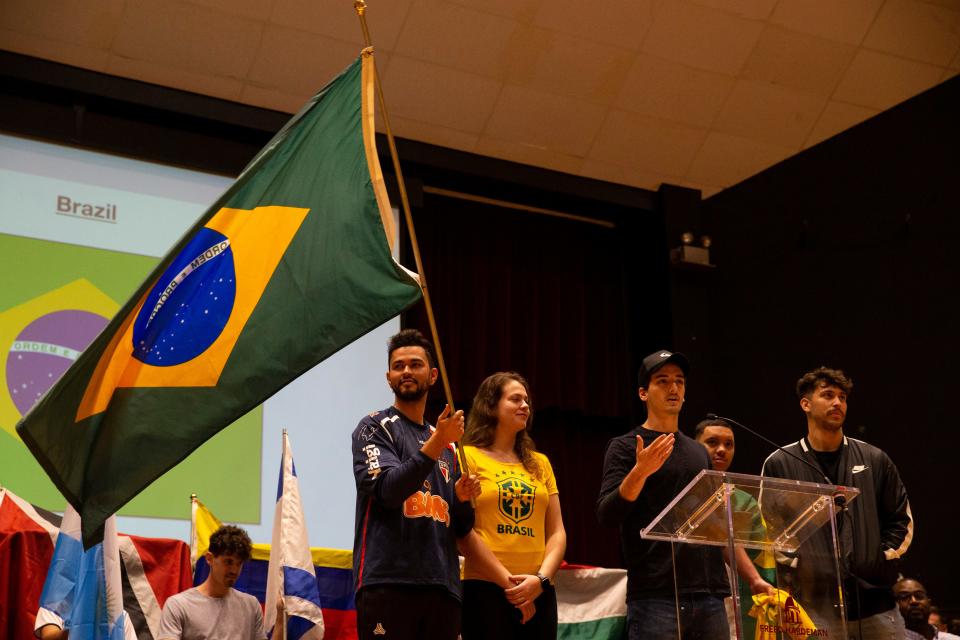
point(839, 499)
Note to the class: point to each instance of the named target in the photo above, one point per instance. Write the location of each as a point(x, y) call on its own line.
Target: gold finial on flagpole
point(361, 8)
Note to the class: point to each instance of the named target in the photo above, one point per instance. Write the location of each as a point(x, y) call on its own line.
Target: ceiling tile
point(701, 37)
point(181, 36)
point(672, 91)
point(950, 4)
point(623, 174)
point(91, 24)
point(880, 81)
point(531, 80)
point(286, 61)
point(339, 19)
point(840, 20)
point(522, 11)
point(75, 55)
point(168, 76)
point(649, 144)
point(768, 113)
point(837, 117)
point(799, 61)
point(430, 133)
point(254, 9)
point(752, 9)
point(272, 98)
point(561, 64)
point(457, 37)
point(523, 153)
point(916, 30)
point(545, 121)
point(620, 23)
point(725, 160)
point(438, 95)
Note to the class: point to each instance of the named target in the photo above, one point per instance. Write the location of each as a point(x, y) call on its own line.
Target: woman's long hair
point(482, 421)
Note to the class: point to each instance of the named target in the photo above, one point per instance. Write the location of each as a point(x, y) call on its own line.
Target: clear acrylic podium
point(788, 530)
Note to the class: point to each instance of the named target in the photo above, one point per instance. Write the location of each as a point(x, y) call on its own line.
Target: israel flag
point(291, 574)
point(83, 592)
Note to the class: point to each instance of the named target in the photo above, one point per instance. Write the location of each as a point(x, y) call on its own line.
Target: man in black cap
point(643, 471)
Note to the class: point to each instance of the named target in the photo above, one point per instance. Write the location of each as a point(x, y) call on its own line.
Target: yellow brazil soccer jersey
point(511, 510)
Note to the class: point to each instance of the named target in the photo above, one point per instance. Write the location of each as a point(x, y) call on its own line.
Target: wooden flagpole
point(361, 8)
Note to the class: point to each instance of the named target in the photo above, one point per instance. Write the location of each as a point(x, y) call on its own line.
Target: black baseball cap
point(656, 360)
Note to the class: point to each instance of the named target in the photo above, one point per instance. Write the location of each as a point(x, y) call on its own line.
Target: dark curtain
point(845, 256)
point(560, 302)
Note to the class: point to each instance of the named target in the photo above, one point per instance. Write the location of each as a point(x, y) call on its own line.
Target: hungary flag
point(591, 603)
point(291, 264)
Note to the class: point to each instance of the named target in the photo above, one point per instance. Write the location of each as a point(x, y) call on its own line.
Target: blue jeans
point(702, 617)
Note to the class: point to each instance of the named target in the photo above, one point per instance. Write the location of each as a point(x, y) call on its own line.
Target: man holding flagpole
point(412, 506)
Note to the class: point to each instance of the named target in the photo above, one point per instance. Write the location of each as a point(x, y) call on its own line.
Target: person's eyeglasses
point(904, 596)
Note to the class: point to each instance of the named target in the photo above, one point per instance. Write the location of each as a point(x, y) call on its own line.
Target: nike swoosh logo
point(860, 467)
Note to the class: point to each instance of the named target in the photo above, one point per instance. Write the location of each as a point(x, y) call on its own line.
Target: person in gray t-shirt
point(216, 610)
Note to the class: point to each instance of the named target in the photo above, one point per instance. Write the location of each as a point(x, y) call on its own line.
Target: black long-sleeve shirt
point(700, 568)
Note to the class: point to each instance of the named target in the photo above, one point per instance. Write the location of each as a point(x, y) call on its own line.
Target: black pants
point(406, 612)
point(488, 616)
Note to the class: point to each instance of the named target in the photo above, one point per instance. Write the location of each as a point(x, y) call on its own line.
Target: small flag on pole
point(291, 264)
point(202, 525)
point(291, 574)
point(83, 592)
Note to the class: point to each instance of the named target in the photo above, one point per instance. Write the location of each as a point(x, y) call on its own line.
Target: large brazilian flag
point(291, 264)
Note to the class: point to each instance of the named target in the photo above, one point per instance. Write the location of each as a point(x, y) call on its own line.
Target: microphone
point(839, 499)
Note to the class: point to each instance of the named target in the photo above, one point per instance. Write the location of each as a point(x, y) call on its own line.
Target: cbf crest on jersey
point(516, 498)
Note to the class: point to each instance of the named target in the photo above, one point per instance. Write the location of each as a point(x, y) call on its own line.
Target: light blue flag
point(291, 574)
point(83, 592)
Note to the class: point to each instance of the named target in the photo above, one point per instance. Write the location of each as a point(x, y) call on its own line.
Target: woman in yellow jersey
point(517, 518)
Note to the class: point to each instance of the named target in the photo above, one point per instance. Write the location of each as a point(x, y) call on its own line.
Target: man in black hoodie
point(877, 528)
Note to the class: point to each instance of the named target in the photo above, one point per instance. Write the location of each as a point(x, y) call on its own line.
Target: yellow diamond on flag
point(41, 338)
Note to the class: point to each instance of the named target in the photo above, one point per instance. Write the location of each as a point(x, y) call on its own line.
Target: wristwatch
point(544, 580)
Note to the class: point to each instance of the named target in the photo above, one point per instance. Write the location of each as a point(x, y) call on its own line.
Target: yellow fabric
point(205, 523)
point(765, 559)
point(780, 613)
point(511, 511)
